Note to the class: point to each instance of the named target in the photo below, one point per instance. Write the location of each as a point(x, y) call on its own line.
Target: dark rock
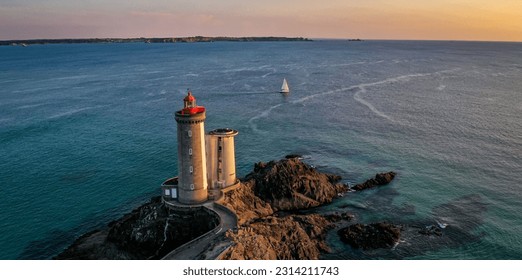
point(379, 180)
point(372, 236)
point(336, 217)
point(148, 232)
point(431, 230)
point(290, 184)
point(293, 156)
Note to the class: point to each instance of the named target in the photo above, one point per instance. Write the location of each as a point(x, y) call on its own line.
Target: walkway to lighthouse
point(193, 249)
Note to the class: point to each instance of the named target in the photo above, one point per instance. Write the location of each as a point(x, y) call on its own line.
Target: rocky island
point(272, 223)
point(280, 215)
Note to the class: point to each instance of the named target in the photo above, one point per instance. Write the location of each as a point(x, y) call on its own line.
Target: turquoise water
point(87, 132)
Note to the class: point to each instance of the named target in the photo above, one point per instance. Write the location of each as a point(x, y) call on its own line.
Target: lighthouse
point(206, 162)
point(192, 165)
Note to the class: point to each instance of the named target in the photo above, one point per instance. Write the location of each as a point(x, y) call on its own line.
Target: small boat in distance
point(284, 87)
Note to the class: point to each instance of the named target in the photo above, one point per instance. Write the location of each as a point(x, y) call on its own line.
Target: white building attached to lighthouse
point(221, 160)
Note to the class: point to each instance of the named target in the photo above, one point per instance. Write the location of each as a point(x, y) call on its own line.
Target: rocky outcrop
point(371, 236)
point(298, 237)
point(290, 184)
point(267, 233)
point(379, 180)
point(149, 232)
point(246, 204)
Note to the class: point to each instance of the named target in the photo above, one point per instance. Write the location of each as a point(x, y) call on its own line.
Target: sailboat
point(284, 87)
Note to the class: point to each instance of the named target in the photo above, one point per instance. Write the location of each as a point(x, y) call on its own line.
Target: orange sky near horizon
point(478, 20)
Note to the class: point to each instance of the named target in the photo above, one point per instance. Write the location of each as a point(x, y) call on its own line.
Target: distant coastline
point(194, 39)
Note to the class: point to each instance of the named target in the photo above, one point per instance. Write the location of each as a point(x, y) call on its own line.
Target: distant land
point(193, 39)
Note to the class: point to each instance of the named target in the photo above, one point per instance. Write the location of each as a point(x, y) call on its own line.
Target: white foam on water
point(262, 67)
point(31, 105)
point(351, 63)
point(343, 64)
point(75, 111)
point(70, 77)
point(164, 78)
point(154, 101)
point(155, 93)
point(263, 114)
point(359, 99)
point(153, 72)
point(272, 71)
point(29, 90)
point(11, 81)
point(362, 88)
point(302, 100)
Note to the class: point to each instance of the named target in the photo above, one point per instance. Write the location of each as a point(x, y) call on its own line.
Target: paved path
point(193, 249)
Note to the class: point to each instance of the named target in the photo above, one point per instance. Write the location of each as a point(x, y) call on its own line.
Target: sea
point(87, 133)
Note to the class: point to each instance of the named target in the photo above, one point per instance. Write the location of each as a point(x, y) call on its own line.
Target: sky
point(479, 20)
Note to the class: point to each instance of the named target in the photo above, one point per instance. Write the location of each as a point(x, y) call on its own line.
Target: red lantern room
point(190, 107)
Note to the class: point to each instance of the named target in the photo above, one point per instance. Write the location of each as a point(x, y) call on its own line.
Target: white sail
point(284, 87)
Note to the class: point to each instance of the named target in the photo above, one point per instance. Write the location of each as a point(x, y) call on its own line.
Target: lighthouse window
point(191, 169)
point(190, 151)
point(189, 133)
point(192, 186)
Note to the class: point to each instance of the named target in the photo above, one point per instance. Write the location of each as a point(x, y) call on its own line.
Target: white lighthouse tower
point(192, 165)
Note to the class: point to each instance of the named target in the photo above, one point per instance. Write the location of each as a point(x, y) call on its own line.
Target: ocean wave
point(29, 90)
point(361, 88)
point(441, 87)
point(351, 63)
point(243, 69)
point(273, 71)
point(263, 114)
point(31, 105)
point(70, 77)
point(156, 93)
point(73, 112)
point(359, 99)
point(172, 77)
point(11, 81)
point(153, 101)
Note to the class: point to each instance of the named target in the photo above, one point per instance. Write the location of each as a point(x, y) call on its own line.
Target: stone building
point(206, 163)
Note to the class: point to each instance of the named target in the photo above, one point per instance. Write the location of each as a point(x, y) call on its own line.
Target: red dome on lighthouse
point(189, 97)
point(190, 107)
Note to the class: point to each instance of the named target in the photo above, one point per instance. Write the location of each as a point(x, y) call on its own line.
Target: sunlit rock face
point(290, 184)
point(267, 233)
